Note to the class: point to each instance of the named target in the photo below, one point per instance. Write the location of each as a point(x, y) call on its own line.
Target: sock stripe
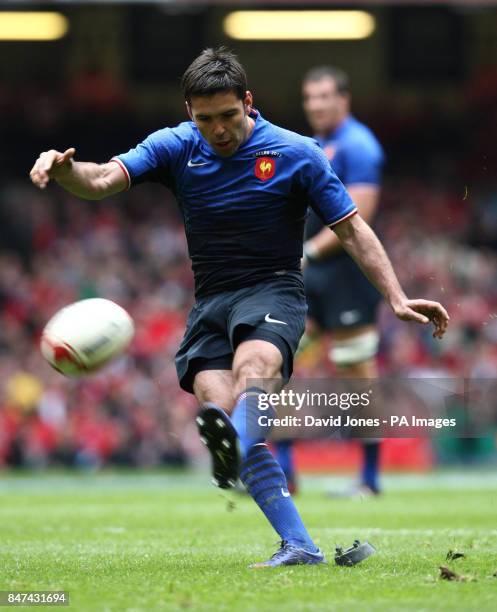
point(264, 464)
point(264, 480)
point(257, 496)
point(254, 457)
point(254, 469)
point(254, 481)
point(262, 474)
point(265, 471)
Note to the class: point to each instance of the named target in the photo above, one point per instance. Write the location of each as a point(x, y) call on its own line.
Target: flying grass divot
point(355, 554)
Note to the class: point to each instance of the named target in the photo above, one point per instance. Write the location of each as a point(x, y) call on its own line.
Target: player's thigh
point(205, 345)
point(215, 386)
point(274, 313)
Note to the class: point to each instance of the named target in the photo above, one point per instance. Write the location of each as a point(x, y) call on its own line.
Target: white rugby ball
point(84, 336)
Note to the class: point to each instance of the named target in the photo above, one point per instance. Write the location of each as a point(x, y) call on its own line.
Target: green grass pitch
point(173, 542)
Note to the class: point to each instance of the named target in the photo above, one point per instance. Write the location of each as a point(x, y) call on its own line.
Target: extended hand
point(51, 164)
point(424, 311)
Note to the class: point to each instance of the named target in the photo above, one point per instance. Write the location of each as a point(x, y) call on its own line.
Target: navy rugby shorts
point(339, 295)
point(272, 310)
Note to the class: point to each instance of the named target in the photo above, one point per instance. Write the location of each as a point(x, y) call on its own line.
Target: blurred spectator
point(96, 90)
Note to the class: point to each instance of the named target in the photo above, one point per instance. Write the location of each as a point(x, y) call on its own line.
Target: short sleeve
point(325, 193)
point(152, 159)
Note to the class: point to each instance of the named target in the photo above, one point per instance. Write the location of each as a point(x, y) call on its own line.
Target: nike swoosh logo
point(285, 493)
point(268, 319)
point(192, 164)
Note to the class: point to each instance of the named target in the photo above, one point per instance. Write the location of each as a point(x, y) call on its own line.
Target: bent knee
point(256, 359)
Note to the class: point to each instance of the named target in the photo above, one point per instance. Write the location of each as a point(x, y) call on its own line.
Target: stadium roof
point(267, 3)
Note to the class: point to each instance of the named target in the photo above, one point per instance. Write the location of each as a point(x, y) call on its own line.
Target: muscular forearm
point(88, 180)
point(84, 179)
point(359, 240)
point(326, 243)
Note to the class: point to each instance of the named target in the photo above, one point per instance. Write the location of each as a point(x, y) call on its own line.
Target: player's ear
point(248, 102)
point(188, 110)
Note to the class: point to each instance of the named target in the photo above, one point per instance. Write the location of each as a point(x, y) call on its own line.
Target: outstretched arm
point(84, 179)
point(359, 240)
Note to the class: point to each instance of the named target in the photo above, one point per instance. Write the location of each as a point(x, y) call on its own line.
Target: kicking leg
point(215, 387)
point(214, 392)
point(260, 472)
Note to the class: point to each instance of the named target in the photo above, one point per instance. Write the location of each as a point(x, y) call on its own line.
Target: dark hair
point(214, 70)
point(339, 76)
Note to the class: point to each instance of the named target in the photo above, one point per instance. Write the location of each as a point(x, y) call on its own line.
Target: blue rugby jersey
point(244, 214)
point(356, 157)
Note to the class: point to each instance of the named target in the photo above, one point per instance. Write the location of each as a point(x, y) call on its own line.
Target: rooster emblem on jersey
point(265, 168)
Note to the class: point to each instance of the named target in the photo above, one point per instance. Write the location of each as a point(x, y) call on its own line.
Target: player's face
point(324, 107)
point(222, 119)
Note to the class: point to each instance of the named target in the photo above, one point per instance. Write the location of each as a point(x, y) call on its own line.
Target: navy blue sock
point(284, 455)
point(264, 480)
point(245, 419)
point(262, 475)
point(371, 464)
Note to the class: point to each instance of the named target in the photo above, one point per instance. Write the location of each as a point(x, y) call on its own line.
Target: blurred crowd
point(131, 249)
point(133, 253)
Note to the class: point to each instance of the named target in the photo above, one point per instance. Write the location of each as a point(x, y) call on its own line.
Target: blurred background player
point(341, 300)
